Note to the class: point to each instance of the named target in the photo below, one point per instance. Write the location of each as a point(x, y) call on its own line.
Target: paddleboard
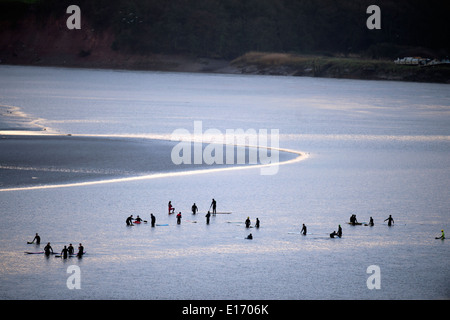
point(300, 233)
point(162, 225)
point(217, 213)
point(40, 252)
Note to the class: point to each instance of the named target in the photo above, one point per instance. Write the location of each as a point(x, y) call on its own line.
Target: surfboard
point(217, 212)
point(40, 252)
point(300, 233)
point(162, 225)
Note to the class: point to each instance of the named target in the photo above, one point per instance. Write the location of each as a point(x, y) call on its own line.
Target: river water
point(375, 148)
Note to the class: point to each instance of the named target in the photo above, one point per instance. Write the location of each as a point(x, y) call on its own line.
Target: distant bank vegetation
point(229, 28)
point(337, 67)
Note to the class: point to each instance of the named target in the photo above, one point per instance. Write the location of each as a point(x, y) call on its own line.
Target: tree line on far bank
point(230, 28)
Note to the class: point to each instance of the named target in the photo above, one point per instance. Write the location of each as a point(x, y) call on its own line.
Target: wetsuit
point(64, 252)
point(303, 230)
point(47, 249)
point(389, 220)
point(213, 204)
point(129, 221)
point(80, 251)
point(153, 220)
point(37, 238)
point(339, 233)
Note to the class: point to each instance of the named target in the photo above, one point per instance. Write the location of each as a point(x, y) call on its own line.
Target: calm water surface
point(375, 149)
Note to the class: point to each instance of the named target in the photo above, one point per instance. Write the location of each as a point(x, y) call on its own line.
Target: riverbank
point(336, 67)
point(280, 64)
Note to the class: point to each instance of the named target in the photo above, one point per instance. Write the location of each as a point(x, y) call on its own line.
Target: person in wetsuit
point(153, 219)
point(194, 208)
point(257, 223)
point(250, 236)
point(390, 220)
point(80, 251)
point(71, 249)
point(339, 233)
point(64, 252)
point(171, 209)
point(179, 218)
point(371, 222)
point(129, 220)
point(37, 238)
point(208, 215)
point(353, 220)
point(47, 249)
point(303, 231)
point(442, 237)
point(247, 222)
point(213, 205)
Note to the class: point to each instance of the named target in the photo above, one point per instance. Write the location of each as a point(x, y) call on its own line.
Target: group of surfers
point(130, 220)
point(65, 252)
point(194, 208)
point(354, 221)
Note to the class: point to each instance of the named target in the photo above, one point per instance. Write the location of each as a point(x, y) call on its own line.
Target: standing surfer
point(194, 208)
point(303, 231)
point(64, 252)
point(129, 220)
point(213, 205)
point(390, 220)
point(339, 233)
point(80, 250)
point(153, 219)
point(37, 238)
point(47, 249)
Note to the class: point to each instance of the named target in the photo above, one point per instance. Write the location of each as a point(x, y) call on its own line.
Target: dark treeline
point(229, 28)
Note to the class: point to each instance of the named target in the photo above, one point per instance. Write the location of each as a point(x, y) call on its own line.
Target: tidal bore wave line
point(300, 156)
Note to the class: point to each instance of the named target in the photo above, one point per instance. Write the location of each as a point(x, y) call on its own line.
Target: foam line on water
point(300, 156)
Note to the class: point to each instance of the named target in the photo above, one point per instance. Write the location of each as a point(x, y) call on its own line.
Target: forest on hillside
point(230, 28)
